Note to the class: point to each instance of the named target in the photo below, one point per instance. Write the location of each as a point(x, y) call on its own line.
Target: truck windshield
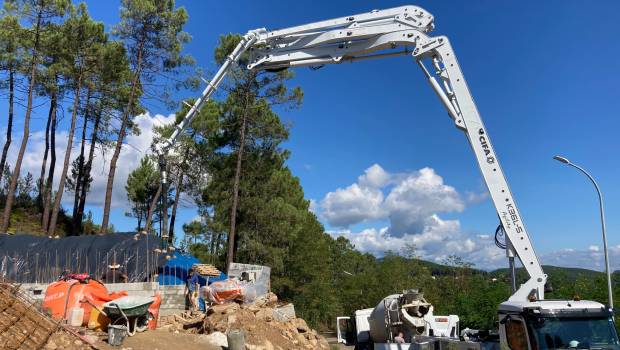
point(573, 332)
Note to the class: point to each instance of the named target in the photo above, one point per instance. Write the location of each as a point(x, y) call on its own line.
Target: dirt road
point(161, 340)
point(333, 340)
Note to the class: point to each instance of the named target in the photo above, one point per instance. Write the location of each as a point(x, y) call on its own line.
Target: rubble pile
point(187, 322)
point(263, 327)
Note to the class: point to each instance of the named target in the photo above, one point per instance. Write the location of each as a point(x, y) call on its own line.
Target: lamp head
point(561, 159)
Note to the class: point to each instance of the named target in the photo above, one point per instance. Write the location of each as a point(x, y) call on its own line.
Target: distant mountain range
point(570, 273)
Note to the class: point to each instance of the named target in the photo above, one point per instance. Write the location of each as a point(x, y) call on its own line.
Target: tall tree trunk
point(139, 223)
point(232, 244)
point(9, 128)
point(119, 142)
point(4, 226)
point(215, 240)
point(88, 167)
point(163, 228)
point(177, 196)
point(219, 245)
point(47, 194)
point(41, 183)
point(51, 230)
point(152, 207)
point(77, 225)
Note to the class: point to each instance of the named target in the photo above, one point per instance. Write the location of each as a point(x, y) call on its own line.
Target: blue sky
point(543, 75)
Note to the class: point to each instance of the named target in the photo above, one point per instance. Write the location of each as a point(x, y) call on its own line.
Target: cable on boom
point(500, 232)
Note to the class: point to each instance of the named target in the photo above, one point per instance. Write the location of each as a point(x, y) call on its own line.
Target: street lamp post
point(602, 210)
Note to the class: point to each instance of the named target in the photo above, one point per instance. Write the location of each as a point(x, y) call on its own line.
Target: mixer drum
point(378, 317)
point(388, 311)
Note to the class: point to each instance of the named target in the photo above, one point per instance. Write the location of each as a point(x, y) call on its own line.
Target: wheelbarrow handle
point(96, 307)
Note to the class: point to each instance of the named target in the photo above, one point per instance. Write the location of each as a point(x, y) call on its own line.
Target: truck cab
point(354, 330)
point(556, 324)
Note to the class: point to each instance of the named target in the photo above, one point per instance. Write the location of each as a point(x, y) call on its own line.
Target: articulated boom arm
point(376, 34)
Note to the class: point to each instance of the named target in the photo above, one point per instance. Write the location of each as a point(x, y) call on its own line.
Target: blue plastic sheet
point(175, 271)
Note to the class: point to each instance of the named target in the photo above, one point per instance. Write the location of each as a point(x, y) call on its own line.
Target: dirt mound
point(22, 326)
point(258, 323)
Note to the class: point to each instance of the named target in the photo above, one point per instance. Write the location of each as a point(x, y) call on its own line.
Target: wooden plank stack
point(207, 270)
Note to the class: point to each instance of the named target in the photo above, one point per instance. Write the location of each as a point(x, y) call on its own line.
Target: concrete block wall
point(172, 297)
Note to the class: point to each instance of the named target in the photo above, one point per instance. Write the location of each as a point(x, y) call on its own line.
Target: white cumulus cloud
point(351, 205)
point(417, 197)
point(411, 202)
point(135, 147)
point(408, 200)
point(439, 240)
point(592, 258)
point(374, 177)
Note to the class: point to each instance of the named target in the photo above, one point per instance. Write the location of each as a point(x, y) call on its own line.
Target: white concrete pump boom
point(376, 34)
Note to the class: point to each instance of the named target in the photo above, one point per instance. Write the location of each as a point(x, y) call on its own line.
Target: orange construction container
point(98, 321)
point(64, 295)
point(154, 311)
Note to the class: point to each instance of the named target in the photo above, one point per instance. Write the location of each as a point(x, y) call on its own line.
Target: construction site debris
point(224, 291)
point(23, 326)
point(257, 275)
point(284, 313)
point(188, 321)
point(216, 339)
point(258, 321)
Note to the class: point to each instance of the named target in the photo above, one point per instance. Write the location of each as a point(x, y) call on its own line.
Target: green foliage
point(72, 179)
point(25, 191)
point(193, 230)
point(10, 45)
point(81, 42)
point(28, 45)
point(141, 187)
point(152, 31)
point(89, 227)
point(156, 26)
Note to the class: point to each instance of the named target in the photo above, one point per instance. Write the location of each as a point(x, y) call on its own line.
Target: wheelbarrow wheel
point(141, 323)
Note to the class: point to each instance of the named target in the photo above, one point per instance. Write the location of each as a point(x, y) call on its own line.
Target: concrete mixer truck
point(526, 320)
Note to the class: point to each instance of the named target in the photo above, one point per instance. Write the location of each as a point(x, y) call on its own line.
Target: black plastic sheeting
point(30, 259)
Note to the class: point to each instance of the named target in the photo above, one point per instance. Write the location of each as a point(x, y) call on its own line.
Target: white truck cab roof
point(551, 306)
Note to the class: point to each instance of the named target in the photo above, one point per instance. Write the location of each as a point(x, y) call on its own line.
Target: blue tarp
point(175, 270)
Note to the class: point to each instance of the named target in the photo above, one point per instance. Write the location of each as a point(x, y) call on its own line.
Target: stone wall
point(172, 297)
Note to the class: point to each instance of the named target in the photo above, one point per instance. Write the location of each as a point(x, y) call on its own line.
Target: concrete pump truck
point(526, 319)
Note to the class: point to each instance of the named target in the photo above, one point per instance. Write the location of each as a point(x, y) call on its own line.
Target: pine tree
point(152, 31)
point(50, 85)
point(40, 13)
point(75, 181)
point(248, 118)
point(83, 38)
point(109, 86)
point(142, 187)
point(9, 62)
point(194, 229)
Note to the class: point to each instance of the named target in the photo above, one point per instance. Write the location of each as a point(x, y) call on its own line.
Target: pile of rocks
point(187, 322)
point(263, 326)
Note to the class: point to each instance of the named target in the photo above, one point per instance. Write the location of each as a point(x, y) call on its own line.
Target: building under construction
point(39, 259)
